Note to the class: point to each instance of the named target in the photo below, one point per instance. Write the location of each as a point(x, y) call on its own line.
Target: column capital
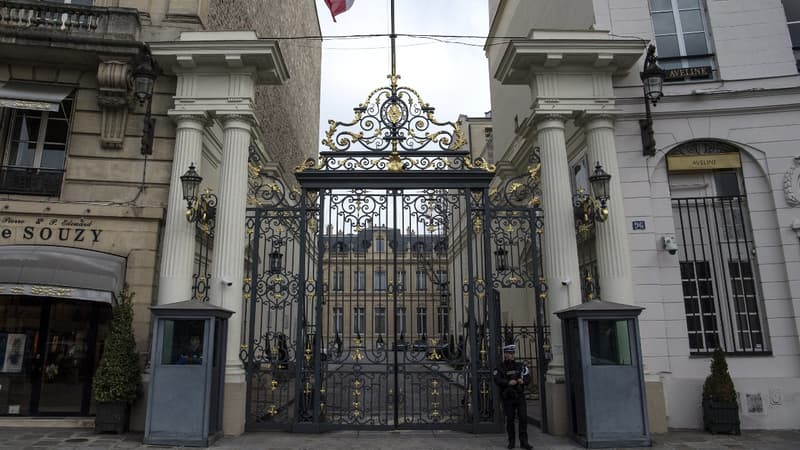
point(543, 121)
point(591, 120)
point(196, 120)
point(245, 121)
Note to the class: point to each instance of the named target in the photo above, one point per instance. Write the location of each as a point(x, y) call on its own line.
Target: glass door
point(66, 356)
point(20, 319)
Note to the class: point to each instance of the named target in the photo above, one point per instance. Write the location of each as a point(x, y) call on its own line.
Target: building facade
point(702, 230)
point(87, 207)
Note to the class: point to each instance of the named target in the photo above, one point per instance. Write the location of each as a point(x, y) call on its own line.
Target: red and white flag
point(338, 6)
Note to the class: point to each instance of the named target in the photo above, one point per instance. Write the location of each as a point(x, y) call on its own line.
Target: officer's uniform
point(513, 397)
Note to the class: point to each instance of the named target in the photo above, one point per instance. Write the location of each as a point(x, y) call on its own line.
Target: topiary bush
point(118, 378)
point(719, 385)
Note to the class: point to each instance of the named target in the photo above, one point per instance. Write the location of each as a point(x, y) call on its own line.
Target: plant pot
point(112, 417)
point(721, 417)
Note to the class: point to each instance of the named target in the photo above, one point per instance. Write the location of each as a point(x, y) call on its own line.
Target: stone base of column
point(234, 408)
point(557, 410)
point(656, 404)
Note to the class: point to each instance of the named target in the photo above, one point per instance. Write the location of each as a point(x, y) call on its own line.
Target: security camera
point(566, 282)
point(227, 283)
point(669, 244)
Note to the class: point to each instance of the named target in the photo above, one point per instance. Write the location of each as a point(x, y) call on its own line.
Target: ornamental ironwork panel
point(372, 289)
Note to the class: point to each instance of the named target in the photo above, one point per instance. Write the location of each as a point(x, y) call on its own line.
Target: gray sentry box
point(605, 383)
point(187, 369)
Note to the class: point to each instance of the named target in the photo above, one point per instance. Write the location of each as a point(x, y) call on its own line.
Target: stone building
point(703, 228)
point(87, 208)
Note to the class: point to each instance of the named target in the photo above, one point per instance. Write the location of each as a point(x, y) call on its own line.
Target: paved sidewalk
point(38, 439)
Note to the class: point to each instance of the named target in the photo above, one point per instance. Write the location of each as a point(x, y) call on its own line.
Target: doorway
point(49, 349)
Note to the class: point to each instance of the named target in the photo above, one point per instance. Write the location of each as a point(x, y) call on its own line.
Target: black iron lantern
point(144, 78)
point(652, 77)
point(190, 182)
point(501, 259)
point(276, 258)
point(599, 181)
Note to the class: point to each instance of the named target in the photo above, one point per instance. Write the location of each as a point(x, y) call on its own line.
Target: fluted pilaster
point(178, 246)
point(559, 246)
point(613, 254)
point(227, 268)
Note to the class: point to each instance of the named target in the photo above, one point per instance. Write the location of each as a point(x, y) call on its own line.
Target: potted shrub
point(118, 380)
point(720, 409)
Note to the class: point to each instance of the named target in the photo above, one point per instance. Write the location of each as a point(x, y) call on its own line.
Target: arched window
point(719, 277)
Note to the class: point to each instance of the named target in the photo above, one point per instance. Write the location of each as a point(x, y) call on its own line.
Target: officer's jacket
point(511, 370)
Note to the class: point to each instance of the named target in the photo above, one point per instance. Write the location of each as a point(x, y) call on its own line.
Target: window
point(401, 283)
point(609, 342)
point(338, 247)
point(792, 10)
point(698, 300)
point(34, 147)
point(380, 245)
point(401, 320)
point(338, 280)
point(441, 277)
point(719, 276)
point(380, 320)
point(443, 321)
point(422, 280)
point(359, 320)
point(681, 37)
point(338, 320)
point(422, 321)
point(745, 301)
point(360, 281)
point(182, 342)
point(379, 280)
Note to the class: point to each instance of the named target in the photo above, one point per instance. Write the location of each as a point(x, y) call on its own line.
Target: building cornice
point(583, 51)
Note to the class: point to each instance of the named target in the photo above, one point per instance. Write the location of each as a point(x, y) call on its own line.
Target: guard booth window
point(183, 342)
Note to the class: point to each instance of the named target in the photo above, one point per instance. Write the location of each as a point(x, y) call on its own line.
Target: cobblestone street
point(31, 438)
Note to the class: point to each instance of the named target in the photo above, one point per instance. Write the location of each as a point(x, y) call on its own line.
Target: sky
point(452, 78)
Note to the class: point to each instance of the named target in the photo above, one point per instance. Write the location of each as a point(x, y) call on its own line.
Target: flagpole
point(393, 37)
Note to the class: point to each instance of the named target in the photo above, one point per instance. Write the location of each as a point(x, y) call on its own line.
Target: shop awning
point(39, 97)
point(60, 272)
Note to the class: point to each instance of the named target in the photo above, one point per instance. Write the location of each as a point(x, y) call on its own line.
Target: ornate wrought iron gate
point(371, 298)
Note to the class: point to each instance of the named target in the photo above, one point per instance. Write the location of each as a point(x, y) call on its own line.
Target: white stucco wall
point(754, 104)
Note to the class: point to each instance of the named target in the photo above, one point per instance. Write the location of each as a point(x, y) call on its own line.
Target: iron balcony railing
point(30, 181)
point(34, 16)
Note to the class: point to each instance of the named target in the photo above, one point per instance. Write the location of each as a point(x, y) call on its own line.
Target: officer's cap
point(509, 348)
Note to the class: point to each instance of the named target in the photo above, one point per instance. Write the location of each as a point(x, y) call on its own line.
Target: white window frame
point(422, 321)
point(359, 320)
point(422, 280)
point(338, 280)
point(685, 59)
point(379, 324)
point(379, 281)
point(338, 320)
point(402, 320)
point(10, 116)
point(360, 280)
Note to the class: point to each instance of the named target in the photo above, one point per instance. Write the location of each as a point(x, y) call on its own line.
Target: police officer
point(512, 376)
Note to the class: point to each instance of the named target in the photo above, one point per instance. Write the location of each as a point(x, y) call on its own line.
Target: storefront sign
point(688, 72)
point(18, 229)
point(28, 104)
point(704, 162)
point(55, 292)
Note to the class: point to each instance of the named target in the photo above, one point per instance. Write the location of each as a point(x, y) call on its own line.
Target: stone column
point(560, 256)
point(177, 248)
point(227, 267)
point(613, 254)
point(559, 246)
